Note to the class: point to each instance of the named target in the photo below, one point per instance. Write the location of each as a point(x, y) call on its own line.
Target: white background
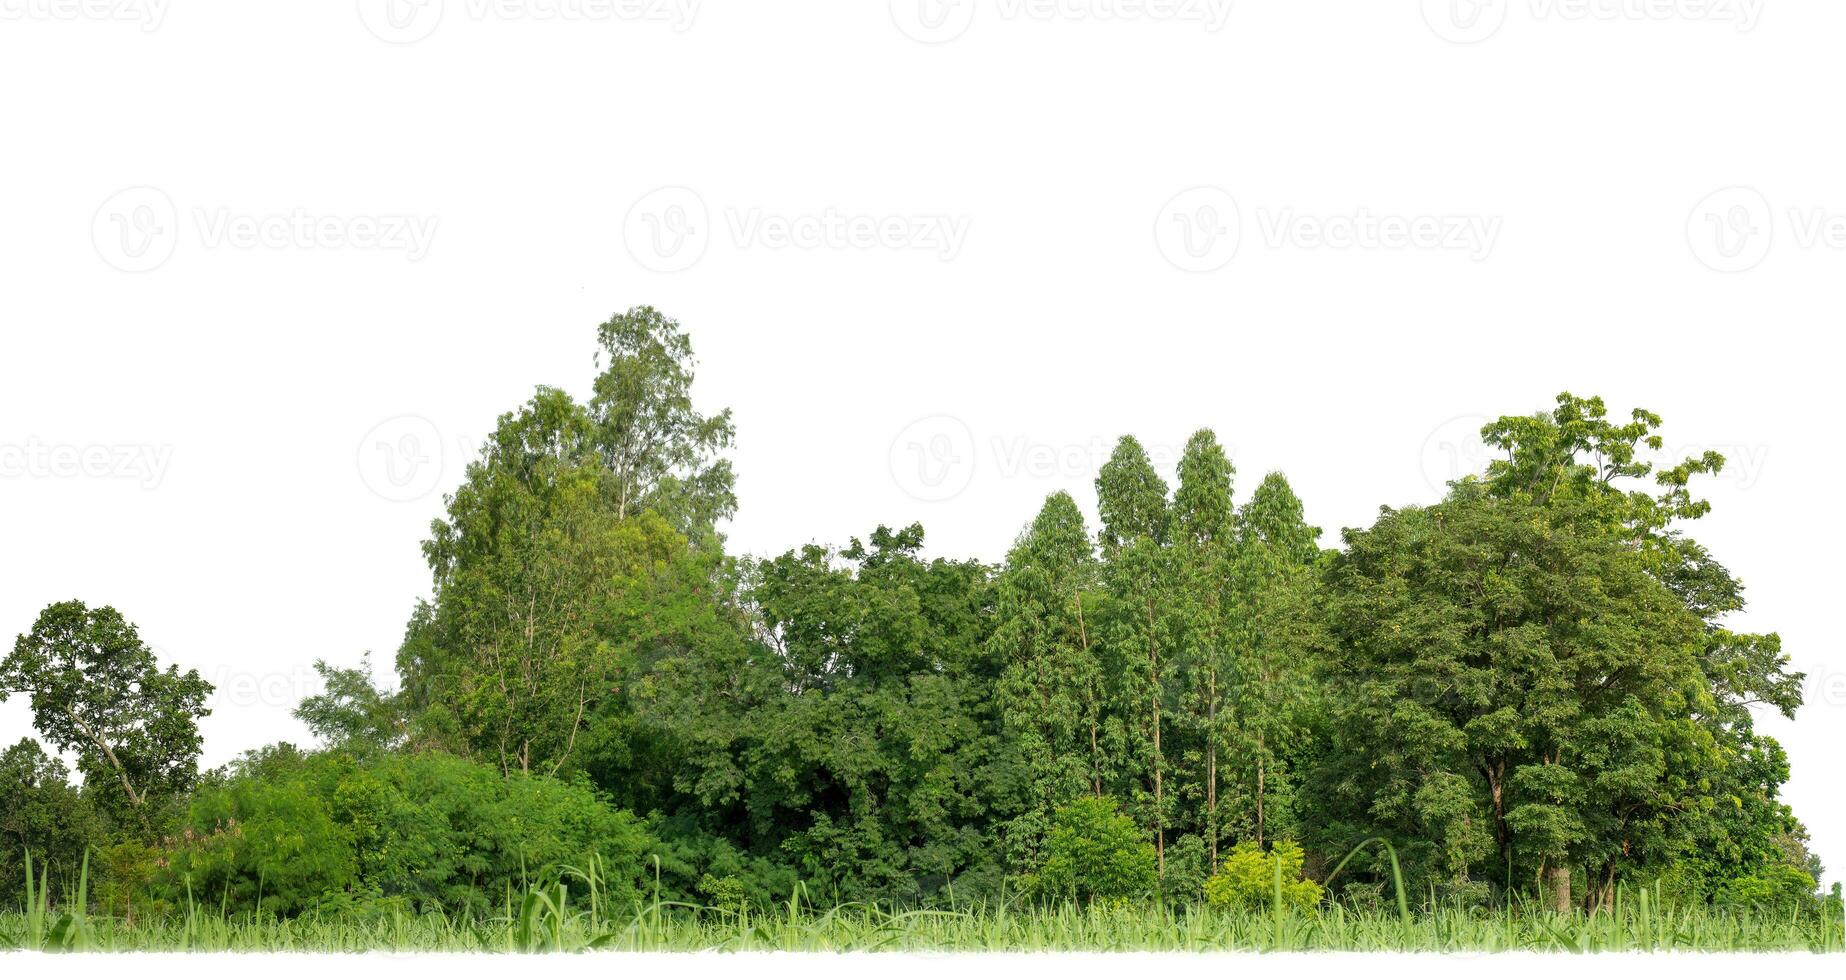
point(268, 273)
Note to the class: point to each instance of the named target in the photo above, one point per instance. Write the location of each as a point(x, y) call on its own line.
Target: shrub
point(1248, 878)
point(431, 829)
point(1094, 853)
point(1777, 888)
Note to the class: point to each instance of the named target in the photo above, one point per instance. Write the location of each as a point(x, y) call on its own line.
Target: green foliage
point(43, 814)
point(1521, 691)
point(285, 832)
point(1249, 878)
point(1531, 678)
point(353, 714)
point(97, 691)
point(1776, 888)
point(654, 448)
point(1094, 853)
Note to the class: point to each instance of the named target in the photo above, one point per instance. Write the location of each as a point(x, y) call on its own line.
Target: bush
point(1094, 853)
point(1776, 888)
point(434, 830)
point(1248, 878)
point(1182, 881)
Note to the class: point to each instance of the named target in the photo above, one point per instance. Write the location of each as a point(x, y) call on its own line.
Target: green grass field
point(543, 921)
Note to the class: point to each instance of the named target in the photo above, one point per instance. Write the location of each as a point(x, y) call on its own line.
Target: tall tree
point(1204, 535)
point(1272, 578)
point(1133, 502)
point(1051, 684)
point(658, 451)
point(561, 552)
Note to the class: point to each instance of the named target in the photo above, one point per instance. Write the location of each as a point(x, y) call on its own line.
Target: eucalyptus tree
point(1204, 538)
point(657, 450)
point(1051, 682)
point(1133, 501)
point(1274, 618)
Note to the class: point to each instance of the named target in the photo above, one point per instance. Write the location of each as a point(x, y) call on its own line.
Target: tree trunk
point(1211, 762)
point(1557, 882)
point(1160, 813)
point(1259, 789)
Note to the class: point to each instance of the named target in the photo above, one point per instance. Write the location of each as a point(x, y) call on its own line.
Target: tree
point(41, 813)
point(571, 537)
point(1094, 853)
point(658, 452)
point(97, 691)
point(1204, 536)
point(1133, 502)
point(528, 567)
point(1521, 671)
point(1051, 683)
point(1249, 878)
point(353, 714)
point(1275, 619)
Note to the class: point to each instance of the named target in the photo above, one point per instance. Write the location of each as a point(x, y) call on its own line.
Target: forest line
point(1527, 689)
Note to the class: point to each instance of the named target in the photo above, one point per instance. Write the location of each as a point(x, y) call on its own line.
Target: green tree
point(1273, 582)
point(352, 714)
point(97, 691)
point(1133, 502)
point(41, 812)
point(1051, 683)
point(657, 450)
point(1248, 878)
point(1094, 853)
point(1522, 671)
point(1204, 538)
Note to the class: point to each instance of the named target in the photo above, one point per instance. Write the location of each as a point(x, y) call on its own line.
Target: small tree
point(1094, 852)
point(1248, 878)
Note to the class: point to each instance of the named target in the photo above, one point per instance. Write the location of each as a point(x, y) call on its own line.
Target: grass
point(547, 920)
